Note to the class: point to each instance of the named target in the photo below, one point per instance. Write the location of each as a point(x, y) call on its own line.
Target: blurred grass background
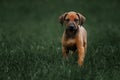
point(30, 34)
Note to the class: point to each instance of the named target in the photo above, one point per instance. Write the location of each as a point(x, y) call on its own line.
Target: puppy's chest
point(69, 42)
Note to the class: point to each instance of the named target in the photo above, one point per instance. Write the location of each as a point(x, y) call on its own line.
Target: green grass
point(30, 35)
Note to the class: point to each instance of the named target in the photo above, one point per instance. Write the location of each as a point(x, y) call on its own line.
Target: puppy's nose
point(71, 26)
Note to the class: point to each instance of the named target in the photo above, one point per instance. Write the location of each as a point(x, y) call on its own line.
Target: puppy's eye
point(76, 20)
point(67, 20)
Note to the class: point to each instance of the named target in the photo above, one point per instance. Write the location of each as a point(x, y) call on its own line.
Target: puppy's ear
point(81, 18)
point(62, 18)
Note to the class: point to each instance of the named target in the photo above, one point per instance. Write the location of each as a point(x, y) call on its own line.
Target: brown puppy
point(75, 36)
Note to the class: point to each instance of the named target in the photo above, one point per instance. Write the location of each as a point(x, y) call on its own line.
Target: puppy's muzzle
point(71, 27)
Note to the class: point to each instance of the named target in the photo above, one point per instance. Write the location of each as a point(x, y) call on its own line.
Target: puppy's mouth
point(71, 28)
point(71, 31)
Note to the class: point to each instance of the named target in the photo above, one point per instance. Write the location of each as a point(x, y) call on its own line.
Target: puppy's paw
point(80, 63)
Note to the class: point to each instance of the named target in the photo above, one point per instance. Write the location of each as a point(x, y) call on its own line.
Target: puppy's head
point(72, 20)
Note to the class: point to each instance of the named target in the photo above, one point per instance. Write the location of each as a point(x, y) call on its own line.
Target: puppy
point(75, 36)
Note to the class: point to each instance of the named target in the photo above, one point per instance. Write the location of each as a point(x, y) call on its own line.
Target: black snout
point(71, 27)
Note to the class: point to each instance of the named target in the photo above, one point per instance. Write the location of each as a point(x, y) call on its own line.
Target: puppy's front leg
point(65, 52)
point(81, 54)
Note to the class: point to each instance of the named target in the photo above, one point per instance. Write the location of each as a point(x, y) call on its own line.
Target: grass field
point(30, 35)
